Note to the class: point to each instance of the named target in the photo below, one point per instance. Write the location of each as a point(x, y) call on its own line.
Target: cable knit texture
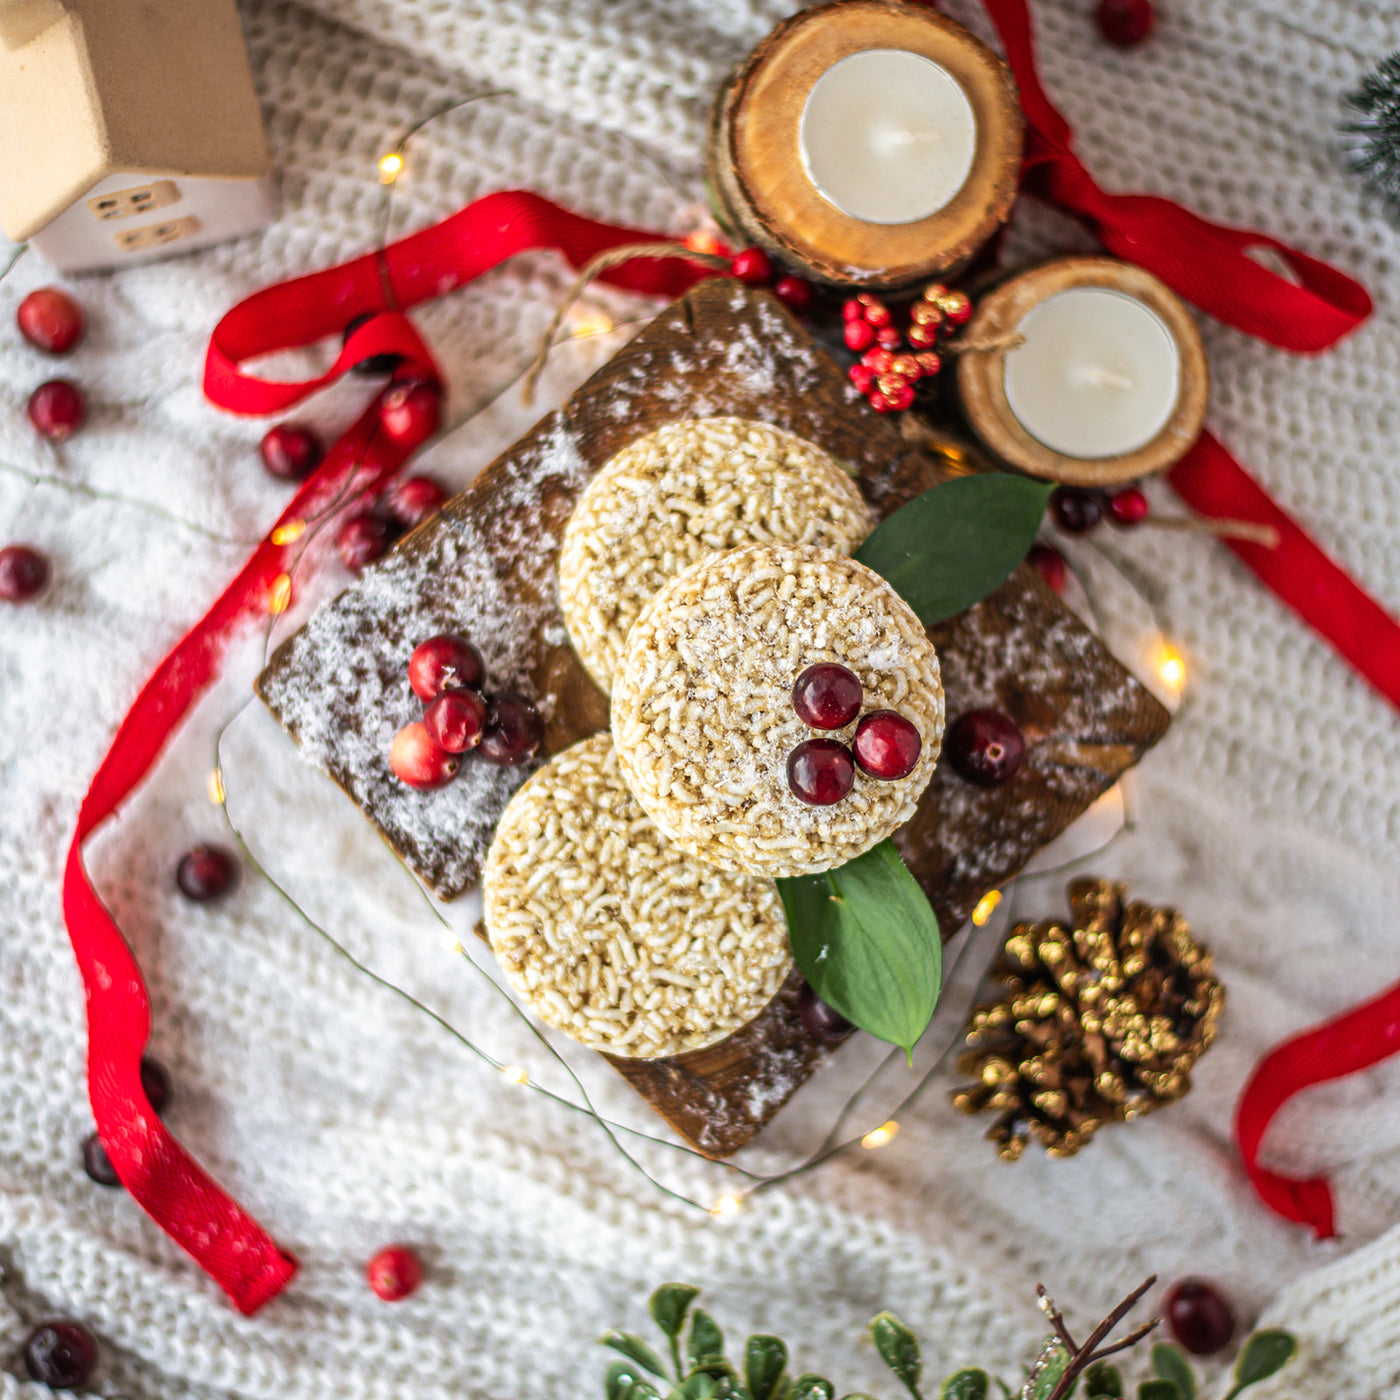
point(343, 1119)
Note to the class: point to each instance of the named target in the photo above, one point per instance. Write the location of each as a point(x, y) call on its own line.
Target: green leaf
point(619, 1378)
point(898, 1348)
point(1046, 1370)
point(948, 548)
point(1005, 1389)
point(635, 1349)
point(669, 1305)
point(1102, 1382)
point(969, 1384)
point(697, 1386)
point(1171, 1364)
point(641, 1390)
point(1158, 1390)
point(867, 940)
point(810, 1387)
point(764, 1360)
point(706, 1340)
point(1262, 1354)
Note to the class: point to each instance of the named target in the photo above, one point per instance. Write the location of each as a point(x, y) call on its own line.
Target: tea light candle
point(887, 136)
point(868, 143)
point(1088, 371)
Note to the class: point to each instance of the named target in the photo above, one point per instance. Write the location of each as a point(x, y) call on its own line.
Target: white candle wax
point(1098, 375)
point(887, 136)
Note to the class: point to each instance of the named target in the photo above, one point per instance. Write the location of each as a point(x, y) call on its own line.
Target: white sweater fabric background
point(343, 1119)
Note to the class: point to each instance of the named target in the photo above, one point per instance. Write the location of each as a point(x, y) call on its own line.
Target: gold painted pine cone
point(1098, 1023)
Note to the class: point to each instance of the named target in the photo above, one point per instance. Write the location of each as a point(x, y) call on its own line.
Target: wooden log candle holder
point(867, 143)
point(1091, 372)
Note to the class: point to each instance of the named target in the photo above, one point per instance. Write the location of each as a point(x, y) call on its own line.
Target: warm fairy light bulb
point(702, 241)
point(1171, 667)
point(286, 534)
point(726, 1205)
point(879, 1137)
point(389, 167)
point(513, 1074)
point(985, 907)
point(279, 596)
point(216, 787)
point(591, 323)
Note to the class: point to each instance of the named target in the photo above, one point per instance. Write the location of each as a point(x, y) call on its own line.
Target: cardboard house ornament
point(129, 129)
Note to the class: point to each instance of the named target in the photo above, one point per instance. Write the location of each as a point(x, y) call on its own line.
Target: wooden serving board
point(486, 566)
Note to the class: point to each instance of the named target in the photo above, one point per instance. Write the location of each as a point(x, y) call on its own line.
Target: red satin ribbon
point(1207, 264)
point(160, 1175)
point(1354, 1041)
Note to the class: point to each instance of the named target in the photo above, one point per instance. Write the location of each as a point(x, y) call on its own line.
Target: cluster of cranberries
point(1077, 509)
point(822, 771)
point(51, 321)
point(755, 267)
point(893, 361)
point(446, 673)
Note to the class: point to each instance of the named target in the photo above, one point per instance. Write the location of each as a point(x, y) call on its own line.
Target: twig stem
point(1090, 1352)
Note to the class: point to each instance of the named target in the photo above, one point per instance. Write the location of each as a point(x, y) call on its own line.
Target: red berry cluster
point(1078, 510)
point(51, 321)
point(892, 362)
point(823, 771)
point(755, 267)
point(446, 674)
point(369, 534)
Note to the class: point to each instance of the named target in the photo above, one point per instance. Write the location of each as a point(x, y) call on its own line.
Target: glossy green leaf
point(898, 1348)
point(635, 1349)
point(706, 1341)
point(968, 1384)
point(810, 1387)
point(764, 1361)
point(865, 937)
point(948, 548)
point(669, 1305)
point(1158, 1390)
point(642, 1390)
point(619, 1378)
point(1102, 1382)
point(1262, 1354)
point(1171, 1364)
point(697, 1386)
point(1049, 1366)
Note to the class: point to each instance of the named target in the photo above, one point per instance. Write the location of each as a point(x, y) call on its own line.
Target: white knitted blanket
point(343, 1119)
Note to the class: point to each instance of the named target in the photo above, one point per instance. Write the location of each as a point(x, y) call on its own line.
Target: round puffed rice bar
point(680, 494)
point(702, 710)
point(613, 935)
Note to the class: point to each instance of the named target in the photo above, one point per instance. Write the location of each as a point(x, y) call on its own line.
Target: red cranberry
point(156, 1084)
point(899, 395)
point(50, 320)
point(863, 377)
point(416, 758)
point(1125, 23)
point(877, 313)
point(887, 745)
point(57, 410)
point(456, 719)
point(290, 452)
point(827, 696)
point(416, 499)
point(860, 335)
point(794, 292)
point(206, 872)
point(371, 365)
point(364, 538)
point(394, 1273)
point(753, 266)
point(411, 412)
point(1076, 511)
point(1199, 1318)
point(24, 573)
point(888, 338)
point(1128, 506)
point(1049, 563)
point(97, 1164)
point(985, 747)
point(60, 1353)
point(820, 772)
point(444, 663)
point(514, 730)
point(824, 1023)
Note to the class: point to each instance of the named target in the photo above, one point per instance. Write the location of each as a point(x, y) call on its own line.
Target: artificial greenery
point(1375, 129)
point(949, 547)
point(699, 1369)
point(867, 940)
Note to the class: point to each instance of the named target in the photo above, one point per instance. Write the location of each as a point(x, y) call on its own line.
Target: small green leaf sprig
point(700, 1370)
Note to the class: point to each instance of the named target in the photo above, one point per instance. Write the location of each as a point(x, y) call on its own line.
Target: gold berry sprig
point(892, 362)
